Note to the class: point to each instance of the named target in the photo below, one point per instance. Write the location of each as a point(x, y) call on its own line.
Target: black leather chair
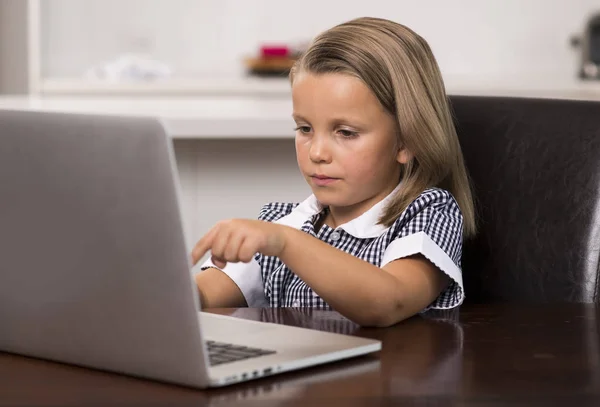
point(535, 168)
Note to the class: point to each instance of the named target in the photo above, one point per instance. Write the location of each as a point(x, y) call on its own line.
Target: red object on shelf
point(274, 51)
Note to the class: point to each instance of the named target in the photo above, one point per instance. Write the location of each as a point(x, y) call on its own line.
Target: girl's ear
point(404, 156)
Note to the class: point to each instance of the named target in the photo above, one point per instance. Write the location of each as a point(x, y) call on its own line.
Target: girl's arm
point(217, 290)
point(364, 293)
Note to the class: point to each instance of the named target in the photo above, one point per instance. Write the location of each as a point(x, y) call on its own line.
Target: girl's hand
point(238, 240)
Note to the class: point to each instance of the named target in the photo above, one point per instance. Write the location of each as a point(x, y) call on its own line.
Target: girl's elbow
point(383, 316)
point(383, 321)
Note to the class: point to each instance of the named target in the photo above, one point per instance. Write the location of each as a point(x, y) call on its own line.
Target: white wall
point(470, 37)
point(223, 179)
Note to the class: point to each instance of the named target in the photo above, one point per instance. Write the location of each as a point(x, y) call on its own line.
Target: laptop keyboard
point(221, 352)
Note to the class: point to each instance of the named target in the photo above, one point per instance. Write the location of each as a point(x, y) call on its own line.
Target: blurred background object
point(274, 60)
point(589, 45)
point(130, 67)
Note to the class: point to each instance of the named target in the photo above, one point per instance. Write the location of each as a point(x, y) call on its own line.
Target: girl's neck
point(335, 217)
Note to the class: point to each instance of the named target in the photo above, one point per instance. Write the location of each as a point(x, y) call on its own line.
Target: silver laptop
point(94, 270)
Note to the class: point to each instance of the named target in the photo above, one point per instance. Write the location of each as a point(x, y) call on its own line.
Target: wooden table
point(484, 355)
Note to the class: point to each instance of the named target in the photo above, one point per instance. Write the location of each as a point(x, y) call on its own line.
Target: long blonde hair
point(399, 68)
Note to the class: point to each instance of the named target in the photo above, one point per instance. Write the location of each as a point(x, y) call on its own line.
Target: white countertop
point(247, 115)
point(224, 117)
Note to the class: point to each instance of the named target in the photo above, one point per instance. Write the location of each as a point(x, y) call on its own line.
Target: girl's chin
point(326, 198)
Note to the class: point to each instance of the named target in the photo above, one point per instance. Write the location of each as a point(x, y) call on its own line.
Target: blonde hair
point(398, 66)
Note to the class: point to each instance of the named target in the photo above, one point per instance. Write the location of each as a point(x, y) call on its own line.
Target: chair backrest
point(535, 169)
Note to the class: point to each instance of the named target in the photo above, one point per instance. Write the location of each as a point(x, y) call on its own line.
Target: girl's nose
point(319, 151)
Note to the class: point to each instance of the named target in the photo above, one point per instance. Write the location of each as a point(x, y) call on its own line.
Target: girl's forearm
point(357, 289)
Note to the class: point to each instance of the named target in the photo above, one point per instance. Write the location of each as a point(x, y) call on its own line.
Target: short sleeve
point(432, 225)
point(248, 276)
point(274, 211)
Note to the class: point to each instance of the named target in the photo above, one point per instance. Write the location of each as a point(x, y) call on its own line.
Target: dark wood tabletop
point(483, 355)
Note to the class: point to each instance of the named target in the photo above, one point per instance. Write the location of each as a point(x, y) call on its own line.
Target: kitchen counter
point(253, 117)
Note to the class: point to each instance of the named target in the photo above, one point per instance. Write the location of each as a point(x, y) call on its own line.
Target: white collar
point(364, 226)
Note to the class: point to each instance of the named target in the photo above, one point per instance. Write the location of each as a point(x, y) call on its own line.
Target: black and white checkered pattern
point(434, 212)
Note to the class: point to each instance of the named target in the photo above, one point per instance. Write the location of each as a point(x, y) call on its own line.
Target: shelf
point(236, 86)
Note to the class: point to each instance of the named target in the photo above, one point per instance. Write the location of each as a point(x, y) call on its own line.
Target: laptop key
point(220, 352)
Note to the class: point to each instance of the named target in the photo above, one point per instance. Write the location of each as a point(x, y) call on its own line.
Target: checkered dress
point(434, 212)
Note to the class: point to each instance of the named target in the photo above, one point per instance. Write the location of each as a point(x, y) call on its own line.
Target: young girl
point(380, 239)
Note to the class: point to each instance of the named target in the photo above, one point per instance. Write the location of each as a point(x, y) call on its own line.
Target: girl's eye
point(347, 133)
point(303, 129)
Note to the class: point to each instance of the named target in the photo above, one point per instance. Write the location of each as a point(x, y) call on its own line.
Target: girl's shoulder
point(434, 208)
point(436, 198)
point(432, 217)
point(274, 211)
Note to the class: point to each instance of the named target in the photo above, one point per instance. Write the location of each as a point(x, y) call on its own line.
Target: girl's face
point(346, 143)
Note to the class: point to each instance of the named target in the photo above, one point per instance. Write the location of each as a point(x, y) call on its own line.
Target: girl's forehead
point(333, 93)
point(330, 83)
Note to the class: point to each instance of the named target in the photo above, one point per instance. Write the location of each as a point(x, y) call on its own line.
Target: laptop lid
point(92, 243)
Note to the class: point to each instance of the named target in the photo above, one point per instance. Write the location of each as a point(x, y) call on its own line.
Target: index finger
point(203, 245)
